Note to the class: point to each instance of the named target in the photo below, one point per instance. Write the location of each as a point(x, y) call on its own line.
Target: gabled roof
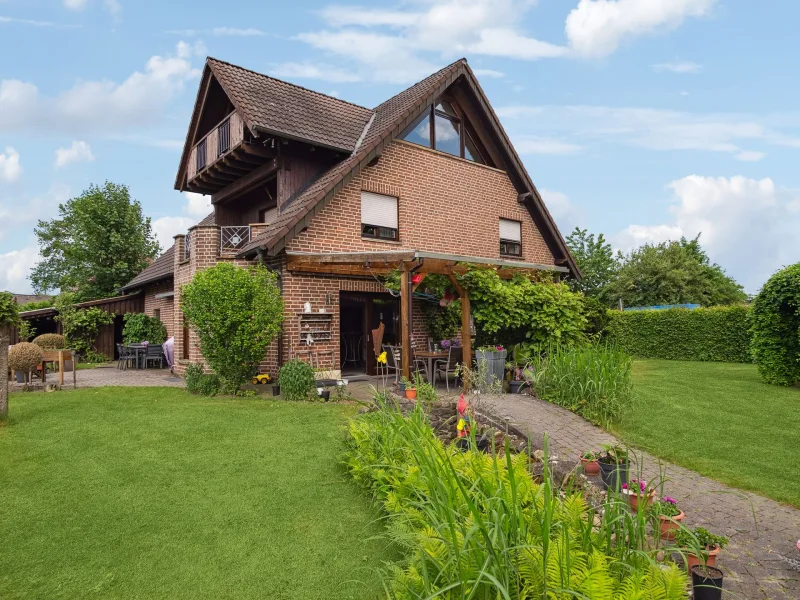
point(389, 120)
point(161, 268)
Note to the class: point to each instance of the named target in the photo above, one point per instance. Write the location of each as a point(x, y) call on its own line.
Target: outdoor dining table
point(136, 349)
point(430, 357)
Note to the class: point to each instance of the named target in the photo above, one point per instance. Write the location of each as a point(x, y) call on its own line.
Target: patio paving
point(109, 375)
point(752, 561)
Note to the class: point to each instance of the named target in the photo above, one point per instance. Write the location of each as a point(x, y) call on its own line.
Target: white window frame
point(509, 238)
point(380, 216)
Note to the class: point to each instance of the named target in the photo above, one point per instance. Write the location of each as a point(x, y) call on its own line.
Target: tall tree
point(100, 241)
point(673, 273)
point(596, 261)
point(9, 316)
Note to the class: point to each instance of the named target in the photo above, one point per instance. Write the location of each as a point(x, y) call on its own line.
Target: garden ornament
point(464, 417)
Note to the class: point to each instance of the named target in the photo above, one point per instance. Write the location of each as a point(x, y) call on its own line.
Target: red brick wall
point(166, 306)
point(446, 204)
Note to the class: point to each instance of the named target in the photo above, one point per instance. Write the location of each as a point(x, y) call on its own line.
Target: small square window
point(379, 216)
point(510, 238)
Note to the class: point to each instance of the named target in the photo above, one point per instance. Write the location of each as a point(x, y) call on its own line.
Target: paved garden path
point(110, 375)
point(752, 563)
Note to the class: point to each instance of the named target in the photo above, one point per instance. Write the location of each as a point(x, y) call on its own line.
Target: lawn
point(721, 420)
point(153, 493)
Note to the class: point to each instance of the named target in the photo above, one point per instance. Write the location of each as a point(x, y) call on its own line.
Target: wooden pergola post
point(405, 319)
point(466, 335)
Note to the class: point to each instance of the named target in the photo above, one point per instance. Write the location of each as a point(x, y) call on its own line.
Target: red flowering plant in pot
point(669, 517)
point(636, 490)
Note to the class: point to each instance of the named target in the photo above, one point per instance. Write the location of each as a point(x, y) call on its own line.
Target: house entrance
point(359, 314)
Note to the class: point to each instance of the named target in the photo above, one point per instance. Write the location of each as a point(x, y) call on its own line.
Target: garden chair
point(392, 361)
point(125, 357)
point(420, 364)
point(154, 353)
point(449, 366)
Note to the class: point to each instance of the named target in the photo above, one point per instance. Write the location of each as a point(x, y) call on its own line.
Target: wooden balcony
point(223, 156)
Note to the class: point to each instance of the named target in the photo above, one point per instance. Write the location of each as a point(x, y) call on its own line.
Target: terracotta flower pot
point(590, 467)
point(411, 393)
point(692, 559)
point(633, 498)
point(670, 525)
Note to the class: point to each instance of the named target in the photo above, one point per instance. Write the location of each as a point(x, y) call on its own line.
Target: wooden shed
point(43, 320)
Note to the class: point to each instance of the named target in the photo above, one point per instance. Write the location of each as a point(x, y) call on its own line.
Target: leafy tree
point(236, 314)
point(9, 317)
point(100, 241)
point(81, 326)
point(140, 327)
point(775, 326)
point(673, 273)
point(596, 261)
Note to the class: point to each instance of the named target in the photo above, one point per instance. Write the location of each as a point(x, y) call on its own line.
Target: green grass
point(721, 420)
point(153, 493)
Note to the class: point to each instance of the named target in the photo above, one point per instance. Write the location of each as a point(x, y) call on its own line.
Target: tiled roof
point(209, 220)
point(289, 110)
point(391, 116)
point(161, 268)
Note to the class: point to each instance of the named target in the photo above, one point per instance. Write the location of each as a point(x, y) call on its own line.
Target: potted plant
point(517, 366)
point(706, 582)
point(411, 391)
point(613, 461)
point(324, 394)
point(403, 384)
point(669, 517)
point(636, 490)
point(589, 463)
point(702, 546)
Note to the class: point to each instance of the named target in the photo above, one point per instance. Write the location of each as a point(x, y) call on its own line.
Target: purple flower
point(669, 500)
point(624, 486)
point(445, 344)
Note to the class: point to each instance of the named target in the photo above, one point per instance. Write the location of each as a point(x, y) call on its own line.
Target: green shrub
point(775, 327)
point(81, 326)
point(236, 313)
point(593, 381)
point(199, 382)
point(296, 379)
point(25, 330)
point(477, 526)
point(50, 341)
point(25, 357)
point(718, 333)
point(140, 327)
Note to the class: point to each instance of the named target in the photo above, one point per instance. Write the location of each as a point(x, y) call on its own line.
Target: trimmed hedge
point(717, 334)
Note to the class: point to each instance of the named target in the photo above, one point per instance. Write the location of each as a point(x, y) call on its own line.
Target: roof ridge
point(438, 73)
point(300, 87)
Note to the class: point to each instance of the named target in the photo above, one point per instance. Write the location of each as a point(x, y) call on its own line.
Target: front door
point(359, 314)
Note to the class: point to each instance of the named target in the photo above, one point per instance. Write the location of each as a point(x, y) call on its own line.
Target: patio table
point(430, 357)
point(137, 349)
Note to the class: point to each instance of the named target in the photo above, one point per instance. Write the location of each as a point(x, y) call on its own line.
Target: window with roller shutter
point(379, 216)
point(510, 237)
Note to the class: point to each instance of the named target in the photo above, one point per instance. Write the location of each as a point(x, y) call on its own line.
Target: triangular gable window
point(444, 127)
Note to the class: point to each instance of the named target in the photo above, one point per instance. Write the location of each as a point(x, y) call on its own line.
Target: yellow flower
point(460, 425)
point(382, 358)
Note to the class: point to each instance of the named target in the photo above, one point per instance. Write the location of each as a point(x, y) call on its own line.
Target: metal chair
point(125, 357)
point(420, 364)
point(448, 367)
point(392, 360)
point(154, 353)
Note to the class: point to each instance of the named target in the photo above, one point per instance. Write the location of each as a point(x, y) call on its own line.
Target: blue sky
point(641, 119)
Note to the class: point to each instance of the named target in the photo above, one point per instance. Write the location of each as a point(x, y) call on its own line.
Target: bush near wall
point(717, 334)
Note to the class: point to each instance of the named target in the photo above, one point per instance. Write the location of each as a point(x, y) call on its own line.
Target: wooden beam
point(405, 319)
point(254, 150)
point(243, 184)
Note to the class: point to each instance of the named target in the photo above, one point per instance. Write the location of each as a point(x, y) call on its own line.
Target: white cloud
point(13, 219)
point(749, 156)
point(218, 32)
point(79, 151)
point(15, 266)
point(197, 205)
point(10, 169)
point(567, 216)
point(308, 70)
point(97, 106)
point(538, 145)
point(489, 73)
point(595, 28)
point(508, 43)
point(654, 129)
point(681, 68)
point(167, 228)
point(75, 4)
point(748, 226)
point(34, 23)
point(338, 16)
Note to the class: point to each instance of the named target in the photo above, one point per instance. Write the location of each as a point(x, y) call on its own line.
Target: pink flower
point(669, 500)
point(624, 486)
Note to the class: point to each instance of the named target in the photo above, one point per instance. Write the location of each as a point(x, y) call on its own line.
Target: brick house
point(332, 196)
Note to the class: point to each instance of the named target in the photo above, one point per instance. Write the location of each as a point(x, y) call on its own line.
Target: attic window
point(378, 216)
point(510, 238)
point(444, 128)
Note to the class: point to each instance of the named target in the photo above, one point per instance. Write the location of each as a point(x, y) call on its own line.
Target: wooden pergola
point(411, 263)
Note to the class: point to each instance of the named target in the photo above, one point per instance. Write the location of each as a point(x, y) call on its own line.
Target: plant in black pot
point(701, 546)
point(402, 384)
point(613, 461)
point(517, 367)
point(706, 582)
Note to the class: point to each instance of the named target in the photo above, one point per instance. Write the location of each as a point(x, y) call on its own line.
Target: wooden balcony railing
point(223, 138)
